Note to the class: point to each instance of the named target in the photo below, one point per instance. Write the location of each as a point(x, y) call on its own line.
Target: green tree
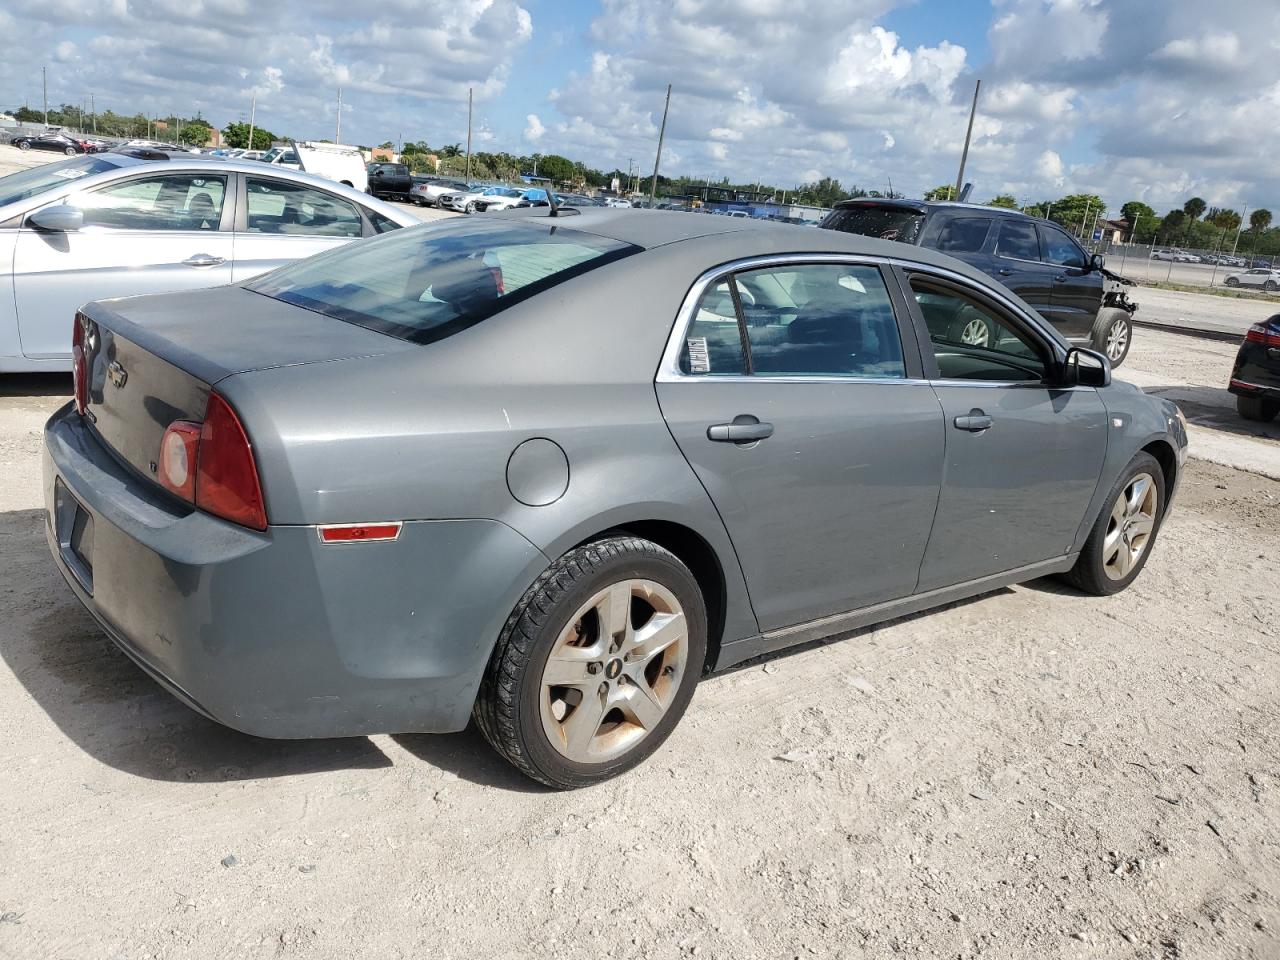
point(1172, 223)
point(1193, 208)
point(1073, 210)
point(1006, 200)
point(823, 193)
point(1141, 218)
point(1224, 221)
point(1259, 220)
point(556, 167)
point(195, 132)
point(944, 191)
point(237, 135)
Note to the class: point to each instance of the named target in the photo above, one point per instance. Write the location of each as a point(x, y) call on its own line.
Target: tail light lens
point(211, 465)
point(1263, 333)
point(79, 364)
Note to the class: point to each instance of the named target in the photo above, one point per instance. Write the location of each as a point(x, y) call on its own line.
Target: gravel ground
point(1031, 774)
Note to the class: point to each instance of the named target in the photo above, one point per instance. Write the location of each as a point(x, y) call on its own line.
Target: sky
point(1152, 100)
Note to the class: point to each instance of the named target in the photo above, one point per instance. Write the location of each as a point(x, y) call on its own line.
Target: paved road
point(1202, 311)
point(1138, 266)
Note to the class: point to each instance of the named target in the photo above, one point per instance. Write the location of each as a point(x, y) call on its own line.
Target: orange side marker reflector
point(358, 532)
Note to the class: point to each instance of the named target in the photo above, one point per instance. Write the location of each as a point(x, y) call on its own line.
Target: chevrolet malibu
point(546, 470)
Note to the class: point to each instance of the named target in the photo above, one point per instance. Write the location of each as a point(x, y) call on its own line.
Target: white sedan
point(1262, 277)
point(115, 225)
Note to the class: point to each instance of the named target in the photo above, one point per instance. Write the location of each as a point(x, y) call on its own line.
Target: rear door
point(1022, 457)
point(1019, 266)
point(283, 221)
point(147, 234)
point(791, 394)
point(961, 236)
point(1077, 288)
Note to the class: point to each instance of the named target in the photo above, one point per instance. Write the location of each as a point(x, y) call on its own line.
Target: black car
point(390, 181)
point(1255, 379)
point(59, 142)
point(1034, 258)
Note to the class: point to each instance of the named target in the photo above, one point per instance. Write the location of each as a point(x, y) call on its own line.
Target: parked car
point(1034, 258)
point(500, 198)
point(390, 181)
point(282, 157)
point(1255, 378)
point(57, 142)
point(1260, 262)
point(112, 225)
point(1264, 278)
point(630, 459)
point(430, 191)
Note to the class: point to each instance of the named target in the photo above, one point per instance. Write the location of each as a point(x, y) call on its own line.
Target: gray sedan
point(111, 224)
point(549, 470)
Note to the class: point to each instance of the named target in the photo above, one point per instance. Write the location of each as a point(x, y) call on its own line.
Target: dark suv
point(390, 181)
point(1036, 259)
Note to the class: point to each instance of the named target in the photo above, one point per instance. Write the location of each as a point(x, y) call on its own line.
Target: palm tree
point(451, 150)
point(1226, 221)
point(1193, 208)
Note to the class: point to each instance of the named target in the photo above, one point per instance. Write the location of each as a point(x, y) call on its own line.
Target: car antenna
point(556, 206)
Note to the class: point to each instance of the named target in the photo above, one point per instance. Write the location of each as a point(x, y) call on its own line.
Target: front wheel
point(1270, 286)
point(71, 151)
point(470, 208)
point(1123, 535)
point(596, 664)
point(1112, 334)
point(1232, 282)
point(1264, 409)
point(23, 145)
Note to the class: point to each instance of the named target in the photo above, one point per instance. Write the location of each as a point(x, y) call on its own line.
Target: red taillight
point(179, 451)
point(226, 477)
point(1263, 333)
point(79, 364)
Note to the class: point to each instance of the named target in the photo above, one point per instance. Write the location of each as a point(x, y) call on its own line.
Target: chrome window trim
point(669, 366)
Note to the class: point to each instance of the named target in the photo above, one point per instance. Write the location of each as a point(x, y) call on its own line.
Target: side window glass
point(963, 235)
point(713, 343)
point(972, 342)
point(821, 320)
point(276, 206)
point(1018, 240)
point(172, 202)
point(1060, 249)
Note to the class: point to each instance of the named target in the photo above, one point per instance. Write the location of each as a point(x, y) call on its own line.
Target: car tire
point(1112, 334)
point(1232, 282)
point(536, 724)
point(470, 208)
point(970, 328)
point(1263, 409)
point(1123, 535)
point(24, 145)
point(70, 151)
point(1269, 286)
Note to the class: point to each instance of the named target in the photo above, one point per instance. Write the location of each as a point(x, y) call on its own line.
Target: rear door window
point(1018, 241)
point(277, 206)
point(426, 284)
point(963, 235)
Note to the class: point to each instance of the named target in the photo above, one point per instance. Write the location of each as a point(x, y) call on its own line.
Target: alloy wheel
point(1131, 527)
point(975, 333)
point(1117, 340)
point(614, 671)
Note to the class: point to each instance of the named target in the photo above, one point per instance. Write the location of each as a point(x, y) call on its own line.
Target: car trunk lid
point(153, 360)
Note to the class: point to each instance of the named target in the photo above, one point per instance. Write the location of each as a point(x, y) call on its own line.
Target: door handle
point(1060, 278)
point(975, 421)
point(203, 260)
point(744, 429)
point(1005, 272)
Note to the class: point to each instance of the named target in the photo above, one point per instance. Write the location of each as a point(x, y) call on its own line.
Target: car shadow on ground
point(468, 756)
point(35, 385)
point(1215, 408)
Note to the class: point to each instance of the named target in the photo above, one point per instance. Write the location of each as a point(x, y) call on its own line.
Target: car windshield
point(501, 192)
point(50, 176)
point(428, 283)
point(870, 220)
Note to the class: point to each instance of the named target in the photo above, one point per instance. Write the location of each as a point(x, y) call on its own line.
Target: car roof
point(925, 206)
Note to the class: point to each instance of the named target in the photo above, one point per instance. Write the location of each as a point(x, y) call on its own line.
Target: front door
point(285, 221)
point(1022, 458)
point(1077, 287)
point(818, 441)
point(151, 234)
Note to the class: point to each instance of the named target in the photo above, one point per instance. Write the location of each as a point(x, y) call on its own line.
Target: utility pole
point(93, 106)
point(1239, 229)
point(1080, 229)
point(253, 109)
point(337, 133)
point(44, 83)
point(470, 109)
point(964, 156)
point(662, 132)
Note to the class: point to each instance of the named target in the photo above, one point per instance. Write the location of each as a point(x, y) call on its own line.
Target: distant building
point(383, 155)
point(1113, 231)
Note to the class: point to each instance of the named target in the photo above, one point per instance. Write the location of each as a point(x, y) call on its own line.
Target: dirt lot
point(1032, 774)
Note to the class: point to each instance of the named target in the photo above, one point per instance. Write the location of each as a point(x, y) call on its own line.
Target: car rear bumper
point(275, 634)
point(1256, 372)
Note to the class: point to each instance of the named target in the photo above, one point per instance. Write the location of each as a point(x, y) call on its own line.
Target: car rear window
point(869, 220)
point(427, 283)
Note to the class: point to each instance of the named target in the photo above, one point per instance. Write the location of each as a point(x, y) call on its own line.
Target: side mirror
point(1086, 368)
point(1097, 261)
point(60, 218)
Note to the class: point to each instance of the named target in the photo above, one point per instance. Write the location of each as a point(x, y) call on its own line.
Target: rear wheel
point(470, 208)
point(971, 328)
point(70, 151)
point(1270, 286)
point(1123, 535)
point(596, 664)
point(24, 145)
point(1232, 282)
point(1112, 334)
point(1257, 408)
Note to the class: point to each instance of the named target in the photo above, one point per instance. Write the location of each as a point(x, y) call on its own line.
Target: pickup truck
point(390, 181)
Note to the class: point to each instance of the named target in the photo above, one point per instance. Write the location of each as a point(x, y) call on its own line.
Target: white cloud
point(1049, 168)
point(534, 129)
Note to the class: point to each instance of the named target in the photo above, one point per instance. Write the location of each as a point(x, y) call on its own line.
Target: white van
point(332, 161)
